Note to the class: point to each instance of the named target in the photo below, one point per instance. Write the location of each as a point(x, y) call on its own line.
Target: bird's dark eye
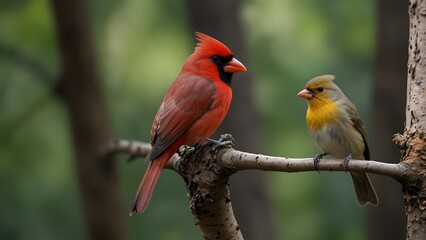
point(216, 59)
point(320, 89)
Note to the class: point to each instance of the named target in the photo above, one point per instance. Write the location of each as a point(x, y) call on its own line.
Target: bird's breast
point(211, 120)
point(339, 138)
point(331, 141)
point(318, 116)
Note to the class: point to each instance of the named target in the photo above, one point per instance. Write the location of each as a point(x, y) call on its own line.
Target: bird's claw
point(225, 137)
point(218, 144)
point(225, 140)
point(346, 162)
point(317, 159)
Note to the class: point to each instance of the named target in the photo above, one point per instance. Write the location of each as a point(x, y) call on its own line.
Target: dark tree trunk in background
point(249, 189)
point(103, 209)
point(388, 220)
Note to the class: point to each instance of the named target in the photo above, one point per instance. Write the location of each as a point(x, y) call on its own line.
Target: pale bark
point(233, 160)
point(416, 86)
point(413, 141)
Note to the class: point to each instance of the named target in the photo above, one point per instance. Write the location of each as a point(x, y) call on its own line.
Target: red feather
point(193, 108)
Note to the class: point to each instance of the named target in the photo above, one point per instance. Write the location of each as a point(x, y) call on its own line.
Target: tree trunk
point(413, 141)
point(249, 189)
point(387, 221)
point(98, 179)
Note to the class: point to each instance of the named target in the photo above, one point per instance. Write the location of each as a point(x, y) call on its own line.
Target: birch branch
point(235, 160)
point(206, 174)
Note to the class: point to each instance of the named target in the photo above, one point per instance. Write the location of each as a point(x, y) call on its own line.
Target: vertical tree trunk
point(98, 178)
point(413, 141)
point(387, 221)
point(249, 189)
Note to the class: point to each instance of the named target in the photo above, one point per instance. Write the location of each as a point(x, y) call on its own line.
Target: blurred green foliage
point(141, 47)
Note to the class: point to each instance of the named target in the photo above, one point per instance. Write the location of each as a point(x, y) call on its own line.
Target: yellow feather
point(320, 112)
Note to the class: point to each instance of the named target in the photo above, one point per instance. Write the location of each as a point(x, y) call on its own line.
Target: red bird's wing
point(187, 100)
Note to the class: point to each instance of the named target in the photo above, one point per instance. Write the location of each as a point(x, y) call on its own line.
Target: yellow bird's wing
point(359, 127)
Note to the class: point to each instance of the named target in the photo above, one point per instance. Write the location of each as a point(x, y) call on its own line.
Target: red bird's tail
point(146, 188)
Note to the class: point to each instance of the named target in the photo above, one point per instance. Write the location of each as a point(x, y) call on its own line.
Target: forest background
point(141, 46)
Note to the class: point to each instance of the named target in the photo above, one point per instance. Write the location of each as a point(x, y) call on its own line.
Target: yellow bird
point(337, 129)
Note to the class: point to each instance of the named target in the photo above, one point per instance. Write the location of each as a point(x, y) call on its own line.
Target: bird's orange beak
point(305, 93)
point(234, 66)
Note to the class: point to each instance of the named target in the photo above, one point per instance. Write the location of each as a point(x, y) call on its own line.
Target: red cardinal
point(192, 110)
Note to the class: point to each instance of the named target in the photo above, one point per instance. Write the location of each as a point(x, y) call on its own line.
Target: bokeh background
point(140, 48)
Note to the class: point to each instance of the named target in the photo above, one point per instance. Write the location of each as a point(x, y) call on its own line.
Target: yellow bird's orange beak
point(234, 66)
point(305, 93)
